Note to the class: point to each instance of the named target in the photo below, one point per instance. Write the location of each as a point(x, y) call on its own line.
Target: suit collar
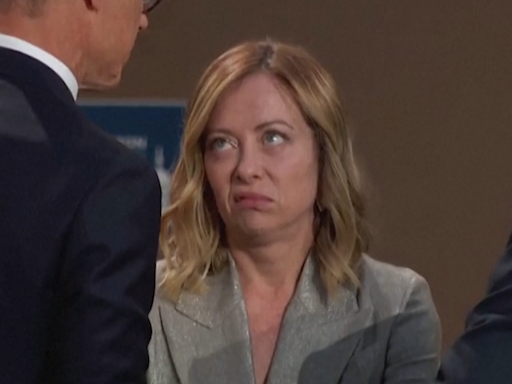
point(62, 70)
point(224, 293)
point(31, 75)
point(313, 297)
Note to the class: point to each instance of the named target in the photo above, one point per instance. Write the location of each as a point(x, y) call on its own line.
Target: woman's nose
point(249, 165)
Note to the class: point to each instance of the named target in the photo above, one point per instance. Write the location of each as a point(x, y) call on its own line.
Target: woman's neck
point(272, 268)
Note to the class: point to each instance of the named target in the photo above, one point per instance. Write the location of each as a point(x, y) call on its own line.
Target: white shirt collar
point(46, 58)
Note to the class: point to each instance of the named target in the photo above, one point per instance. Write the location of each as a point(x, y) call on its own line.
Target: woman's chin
point(252, 233)
point(252, 224)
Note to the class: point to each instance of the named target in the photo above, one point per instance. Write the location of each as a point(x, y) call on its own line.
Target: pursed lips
point(251, 199)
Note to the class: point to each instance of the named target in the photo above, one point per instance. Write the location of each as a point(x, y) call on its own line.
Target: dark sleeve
point(483, 354)
point(108, 280)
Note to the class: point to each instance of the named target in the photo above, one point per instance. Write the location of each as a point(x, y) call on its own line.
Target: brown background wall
point(429, 86)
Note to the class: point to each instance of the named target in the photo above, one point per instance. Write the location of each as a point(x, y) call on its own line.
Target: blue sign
point(151, 128)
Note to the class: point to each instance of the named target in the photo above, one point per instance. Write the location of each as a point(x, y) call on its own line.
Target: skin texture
point(258, 142)
point(114, 27)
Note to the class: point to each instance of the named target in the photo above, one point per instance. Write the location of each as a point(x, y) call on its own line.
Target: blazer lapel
point(318, 336)
point(208, 334)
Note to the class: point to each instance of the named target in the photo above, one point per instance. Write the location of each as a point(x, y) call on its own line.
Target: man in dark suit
point(483, 354)
point(79, 213)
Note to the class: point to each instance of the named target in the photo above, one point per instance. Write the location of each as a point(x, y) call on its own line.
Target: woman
point(265, 279)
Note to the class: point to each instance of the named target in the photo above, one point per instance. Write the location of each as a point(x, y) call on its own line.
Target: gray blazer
point(385, 332)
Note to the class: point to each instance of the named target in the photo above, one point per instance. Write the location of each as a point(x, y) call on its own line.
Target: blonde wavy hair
point(192, 239)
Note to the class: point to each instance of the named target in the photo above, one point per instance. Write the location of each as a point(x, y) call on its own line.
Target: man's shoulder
point(103, 148)
point(103, 158)
point(62, 133)
point(498, 299)
point(501, 277)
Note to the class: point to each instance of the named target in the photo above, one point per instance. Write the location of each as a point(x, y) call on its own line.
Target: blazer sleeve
point(415, 339)
point(483, 354)
point(108, 279)
point(161, 366)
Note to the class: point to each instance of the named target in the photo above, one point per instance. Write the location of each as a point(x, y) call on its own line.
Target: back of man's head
point(94, 38)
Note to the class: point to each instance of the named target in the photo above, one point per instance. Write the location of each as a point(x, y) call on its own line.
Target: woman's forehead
point(255, 100)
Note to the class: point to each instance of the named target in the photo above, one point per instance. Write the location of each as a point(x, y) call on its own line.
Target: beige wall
point(429, 86)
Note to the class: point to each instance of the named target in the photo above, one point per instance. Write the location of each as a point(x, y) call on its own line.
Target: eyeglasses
point(149, 5)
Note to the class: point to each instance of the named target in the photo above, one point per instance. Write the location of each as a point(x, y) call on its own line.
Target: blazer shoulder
point(387, 273)
point(390, 286)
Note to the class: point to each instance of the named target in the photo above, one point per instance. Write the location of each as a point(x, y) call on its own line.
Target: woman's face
point(261, 160)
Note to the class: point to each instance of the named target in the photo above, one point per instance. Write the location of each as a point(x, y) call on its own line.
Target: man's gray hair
point(32, 8)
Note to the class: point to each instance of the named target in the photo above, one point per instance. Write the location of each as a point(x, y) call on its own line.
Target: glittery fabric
point(387, 332)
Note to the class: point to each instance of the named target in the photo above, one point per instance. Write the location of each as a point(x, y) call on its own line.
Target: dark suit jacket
point(79, 220)
point(483, 354)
